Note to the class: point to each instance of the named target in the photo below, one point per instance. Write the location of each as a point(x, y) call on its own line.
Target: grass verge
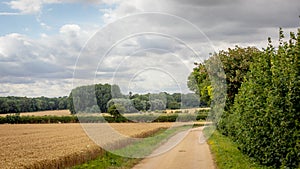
point(228, 156)
point(109, 161)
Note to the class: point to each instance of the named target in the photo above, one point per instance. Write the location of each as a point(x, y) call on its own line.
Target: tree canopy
point(98, 98)
point(235, 62)
point(262, 111)
point(12, 104)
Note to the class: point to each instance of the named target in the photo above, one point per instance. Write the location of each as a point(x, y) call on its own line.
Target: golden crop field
point(45, 113)
point(189, 110)
point(57, 145)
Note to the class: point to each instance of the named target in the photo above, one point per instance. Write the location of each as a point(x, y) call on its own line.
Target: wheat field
point(57, 145)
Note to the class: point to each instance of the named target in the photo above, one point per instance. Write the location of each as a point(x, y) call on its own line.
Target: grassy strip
point(112, 161)
point(227, 155)
point(109, 160)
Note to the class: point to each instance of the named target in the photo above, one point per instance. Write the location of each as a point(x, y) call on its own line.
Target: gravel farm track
point(191, 153)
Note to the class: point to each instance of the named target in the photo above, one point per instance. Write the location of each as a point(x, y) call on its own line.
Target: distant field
point(68, 113)
point(57, 145)
point(190, 110)
point(44, 113)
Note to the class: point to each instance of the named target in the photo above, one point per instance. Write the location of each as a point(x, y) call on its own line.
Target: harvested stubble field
point(57, 145)
point(189, 110)
point(45, 113)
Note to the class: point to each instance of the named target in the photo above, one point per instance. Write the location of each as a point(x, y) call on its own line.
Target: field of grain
point(57, 145)
point(45, 113)
point(67, 112)
point(190, 110)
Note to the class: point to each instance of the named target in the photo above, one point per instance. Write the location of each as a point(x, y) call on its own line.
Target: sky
point(47, 47)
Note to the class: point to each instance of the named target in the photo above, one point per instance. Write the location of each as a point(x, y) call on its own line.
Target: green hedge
point(17, 119)
point(265, 117)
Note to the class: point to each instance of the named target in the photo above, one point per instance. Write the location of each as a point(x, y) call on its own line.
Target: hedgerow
point(17, 119)
point(265, 116)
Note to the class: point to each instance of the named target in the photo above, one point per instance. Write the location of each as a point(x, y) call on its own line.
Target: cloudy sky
point(48, 46)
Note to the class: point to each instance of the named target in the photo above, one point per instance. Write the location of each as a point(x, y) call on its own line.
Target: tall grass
point(228, 156)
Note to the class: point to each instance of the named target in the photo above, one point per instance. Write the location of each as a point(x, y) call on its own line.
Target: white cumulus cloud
point(26, 6)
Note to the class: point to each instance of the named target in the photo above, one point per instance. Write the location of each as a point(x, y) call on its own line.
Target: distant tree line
point(100, 97)
point(12, 104)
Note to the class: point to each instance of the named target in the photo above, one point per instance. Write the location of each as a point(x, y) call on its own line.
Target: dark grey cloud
point(257, 13)
point(34, 69)
point(4, 91)
point(240, 20)
point(206, 3)
point(49, 61)
point(12, 69)
point(232, 21)
point(16, 80)
point(40, 67)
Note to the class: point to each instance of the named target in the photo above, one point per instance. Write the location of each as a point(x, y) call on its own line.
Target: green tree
point(116, 110)
point(127, 104)
point(235, 62)
point(104, 93)
point(4, 107)
point(157, 104)
point(198, 81)
point(173, 105)
point(85, 98)
point(177, 97)
point(190, 100)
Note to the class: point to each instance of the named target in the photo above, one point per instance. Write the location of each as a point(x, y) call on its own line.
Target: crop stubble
point(43, 113)
point(57, 145)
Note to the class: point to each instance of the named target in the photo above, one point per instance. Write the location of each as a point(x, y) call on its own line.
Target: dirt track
point(190, 153)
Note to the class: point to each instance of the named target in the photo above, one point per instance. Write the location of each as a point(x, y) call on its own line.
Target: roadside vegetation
point(109, 160)
point(227, 155)
point(262, 111)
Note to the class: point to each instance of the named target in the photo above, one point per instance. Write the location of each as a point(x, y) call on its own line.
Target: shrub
point(265, 116)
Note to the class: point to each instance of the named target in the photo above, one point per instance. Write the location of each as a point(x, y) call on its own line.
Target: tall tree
point(235, 62)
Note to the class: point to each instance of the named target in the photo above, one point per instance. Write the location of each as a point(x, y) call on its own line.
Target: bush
point(264, 120)
point(2, 120)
